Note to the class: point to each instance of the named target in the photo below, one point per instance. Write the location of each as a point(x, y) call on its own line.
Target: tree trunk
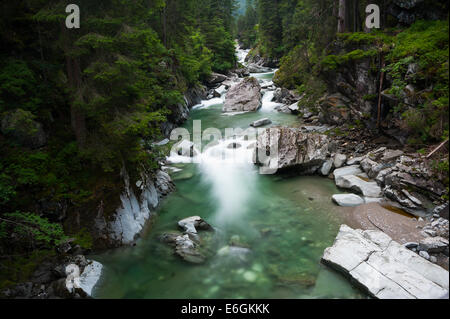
point(77, 117)
point(341, 16)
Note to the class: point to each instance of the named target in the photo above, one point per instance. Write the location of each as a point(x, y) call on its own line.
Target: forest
point(80, 106)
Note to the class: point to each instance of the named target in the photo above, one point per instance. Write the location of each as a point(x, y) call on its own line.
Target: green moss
point(332, 62)
point(84, 239)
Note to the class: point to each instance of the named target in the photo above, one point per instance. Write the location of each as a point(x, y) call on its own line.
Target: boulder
point(354, 160)
point(390, 155)
point(194, 223)
point(348, 200)
point(187, 249)
point(326, 167)
point(358, 185)
point(261, 122)
point(291, 149)
point(243, 97)
point(384, 268)
point(339, 160)
point(286, 97)
point(433, 245)
point(294, 108)
point(215, 79)
point(370, 167)
point(348, 170)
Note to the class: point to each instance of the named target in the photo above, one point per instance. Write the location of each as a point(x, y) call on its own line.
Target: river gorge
point(285, 223)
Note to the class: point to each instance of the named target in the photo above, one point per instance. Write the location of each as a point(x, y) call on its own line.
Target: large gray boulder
point(383, 268)
point(359, 185)
point(243, 97)
point(291, 149)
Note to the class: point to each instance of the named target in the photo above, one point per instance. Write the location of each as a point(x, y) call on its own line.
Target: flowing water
point(286, 223)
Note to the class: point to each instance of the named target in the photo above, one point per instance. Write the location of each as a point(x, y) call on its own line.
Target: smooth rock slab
point(347, 200)
point(384, 268)
point(348, 170)
point(357, 184)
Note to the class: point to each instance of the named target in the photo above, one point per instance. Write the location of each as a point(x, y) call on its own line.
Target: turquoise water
point(286, 222)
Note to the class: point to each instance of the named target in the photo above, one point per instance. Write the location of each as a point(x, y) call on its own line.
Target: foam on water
point(208, 103)
point(267, 104)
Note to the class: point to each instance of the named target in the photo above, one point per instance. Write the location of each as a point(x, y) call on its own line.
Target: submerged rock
point(243, 97)
point(384, 268)
point(187, 249)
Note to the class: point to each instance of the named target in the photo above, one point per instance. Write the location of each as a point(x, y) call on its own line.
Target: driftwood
point(437, 148)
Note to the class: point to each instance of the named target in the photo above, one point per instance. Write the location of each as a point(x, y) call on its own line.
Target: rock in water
point(348, 200)
point(384, 268)
point(290, 148)
point(194, 223)
point(261, 122)
point(188, 250)
point(243, 97)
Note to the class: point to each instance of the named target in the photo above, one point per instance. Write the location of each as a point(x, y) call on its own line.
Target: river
point(286, 222)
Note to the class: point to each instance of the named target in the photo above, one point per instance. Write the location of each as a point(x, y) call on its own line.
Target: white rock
point(348, 170)
point(347, 200)
point(261, 122)
point(326, 167)
point(355, 160)
point(384, 268)
point(339, 160)
point(424, 254)
point(90, 276)
point(357, 184)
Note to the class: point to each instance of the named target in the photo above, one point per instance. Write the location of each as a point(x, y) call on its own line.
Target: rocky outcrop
point(137, 205)
point(180, 112)
point(69, 276)
point(291, 149)
point(286, 97)
point(383, 268)
point(244, 96)
point(334, 109)
point(409, 11)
